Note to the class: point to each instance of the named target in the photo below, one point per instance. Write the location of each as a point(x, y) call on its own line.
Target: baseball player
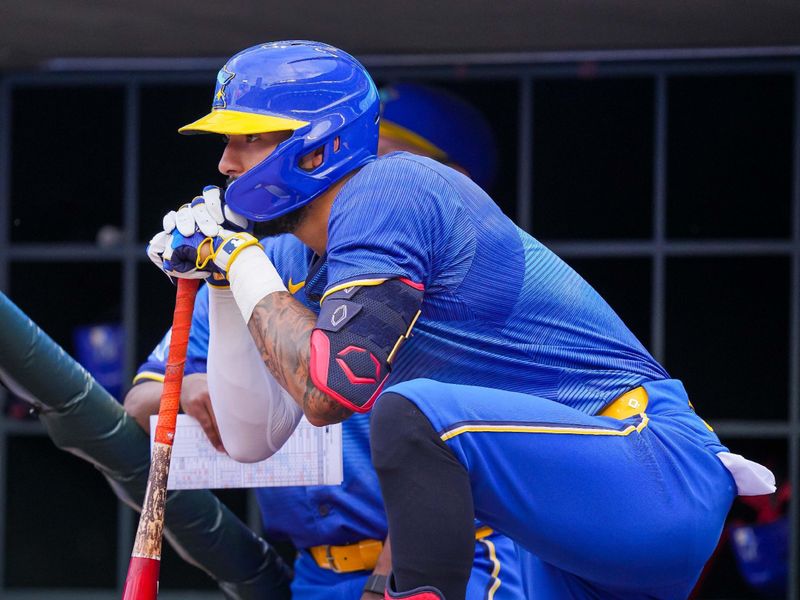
point(340, 548)
point(503, 386)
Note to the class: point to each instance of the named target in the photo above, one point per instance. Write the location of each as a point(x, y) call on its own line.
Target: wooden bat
point(142, 580)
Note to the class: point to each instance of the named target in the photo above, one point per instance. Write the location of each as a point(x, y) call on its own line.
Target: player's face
point(243, 152)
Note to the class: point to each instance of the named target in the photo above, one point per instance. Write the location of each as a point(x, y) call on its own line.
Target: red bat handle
point(142, 580)
point(173, 376)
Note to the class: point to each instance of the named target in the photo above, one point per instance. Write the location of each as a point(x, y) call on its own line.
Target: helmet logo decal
point(224, 77)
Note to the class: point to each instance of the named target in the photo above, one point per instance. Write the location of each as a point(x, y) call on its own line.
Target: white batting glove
point(207, 220)
point(211, 214)
point(208, 228)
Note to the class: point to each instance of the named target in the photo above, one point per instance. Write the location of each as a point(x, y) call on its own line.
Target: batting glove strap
point(228, 250)
point(249, 270)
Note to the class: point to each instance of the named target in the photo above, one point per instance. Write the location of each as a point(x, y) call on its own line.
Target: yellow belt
point(361, 556)
point(633, 403)
point(629, 404)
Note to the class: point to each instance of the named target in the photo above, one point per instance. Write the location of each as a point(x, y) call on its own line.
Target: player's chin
point(287, 223)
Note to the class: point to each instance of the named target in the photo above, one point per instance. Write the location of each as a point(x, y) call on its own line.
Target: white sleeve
point(254, 413)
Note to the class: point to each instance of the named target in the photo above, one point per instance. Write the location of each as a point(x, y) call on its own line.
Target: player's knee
point(399, 433)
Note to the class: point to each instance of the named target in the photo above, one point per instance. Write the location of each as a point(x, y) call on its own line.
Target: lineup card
point(311, 456)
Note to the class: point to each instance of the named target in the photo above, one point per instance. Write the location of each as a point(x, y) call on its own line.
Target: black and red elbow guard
point(359, 331)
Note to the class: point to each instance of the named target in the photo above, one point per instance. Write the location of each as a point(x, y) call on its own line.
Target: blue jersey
point(308, 515)
point(499, 310)
point(511, 360)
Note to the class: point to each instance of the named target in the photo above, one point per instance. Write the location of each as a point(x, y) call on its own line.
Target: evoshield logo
point(339, 315)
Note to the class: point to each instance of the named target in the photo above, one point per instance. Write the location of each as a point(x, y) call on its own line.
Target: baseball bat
point(142, 580)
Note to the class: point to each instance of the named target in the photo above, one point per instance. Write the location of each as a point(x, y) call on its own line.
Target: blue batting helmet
point(441, 125)
point(314, 90)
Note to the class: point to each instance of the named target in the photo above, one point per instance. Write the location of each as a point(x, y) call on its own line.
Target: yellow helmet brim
point(234, 122)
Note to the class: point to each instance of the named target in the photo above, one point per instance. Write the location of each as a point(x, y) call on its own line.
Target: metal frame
point(5, 225)
point(130, 285)
point(794, 353)
point(524, 68)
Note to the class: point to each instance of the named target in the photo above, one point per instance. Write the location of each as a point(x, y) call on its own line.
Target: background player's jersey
point(307, 515)
point(499, 310)
point(196, 353)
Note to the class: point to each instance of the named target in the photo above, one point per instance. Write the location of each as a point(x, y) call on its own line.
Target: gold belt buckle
point(331, 560)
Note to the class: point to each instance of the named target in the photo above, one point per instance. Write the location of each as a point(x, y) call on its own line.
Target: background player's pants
point(609, 509)
point(495, 575)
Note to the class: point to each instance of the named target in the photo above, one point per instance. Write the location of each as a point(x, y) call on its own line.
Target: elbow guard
point(358, 333)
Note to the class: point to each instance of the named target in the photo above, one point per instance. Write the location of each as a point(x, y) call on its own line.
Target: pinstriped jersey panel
point(500, 310)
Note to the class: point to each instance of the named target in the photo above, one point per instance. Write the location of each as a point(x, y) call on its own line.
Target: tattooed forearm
point(281, 328)
point(320, 404)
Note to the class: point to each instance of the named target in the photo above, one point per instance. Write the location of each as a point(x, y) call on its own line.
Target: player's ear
point(312, 160)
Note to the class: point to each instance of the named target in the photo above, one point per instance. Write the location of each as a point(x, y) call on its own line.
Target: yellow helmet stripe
point(235, 122)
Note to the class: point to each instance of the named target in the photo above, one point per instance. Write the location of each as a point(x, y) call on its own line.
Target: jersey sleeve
point(153, 368)
point(387, 222)
point(196, 354)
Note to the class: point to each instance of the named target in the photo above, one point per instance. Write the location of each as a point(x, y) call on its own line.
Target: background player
point(433, 122)
point(424, 120)
point(557, 386)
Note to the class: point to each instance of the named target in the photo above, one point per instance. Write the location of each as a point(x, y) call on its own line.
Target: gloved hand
point(192, 234)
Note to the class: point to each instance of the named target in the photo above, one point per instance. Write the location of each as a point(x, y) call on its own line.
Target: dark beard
point(284, 224)
point(287, 223)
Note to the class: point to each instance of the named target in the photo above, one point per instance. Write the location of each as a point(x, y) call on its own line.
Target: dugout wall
point(670, 181)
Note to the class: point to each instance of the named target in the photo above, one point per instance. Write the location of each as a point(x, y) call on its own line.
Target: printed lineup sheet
point(311, 456)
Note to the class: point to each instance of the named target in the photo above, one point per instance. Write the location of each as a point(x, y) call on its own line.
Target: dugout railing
point(670, 180)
